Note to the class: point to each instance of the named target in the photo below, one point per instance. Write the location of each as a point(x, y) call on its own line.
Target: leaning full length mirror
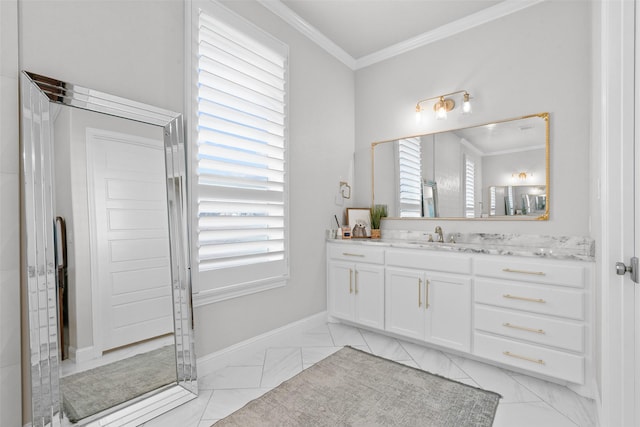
point(109, 300)
point(498, 170)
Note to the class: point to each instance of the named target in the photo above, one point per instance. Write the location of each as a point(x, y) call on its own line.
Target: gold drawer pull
point(426, 298)
point(540, 300)
point(350, 281)
point(537, 273)
point(356, 282)
point(349, 254)
point(524, 328)
point(528, 359)
point(419, 292)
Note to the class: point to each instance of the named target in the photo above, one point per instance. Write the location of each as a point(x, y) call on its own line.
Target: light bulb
point(466, 104)
point(441, 112)
point(418, 114)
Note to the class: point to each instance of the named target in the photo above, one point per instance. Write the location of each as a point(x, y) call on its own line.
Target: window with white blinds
point(240, 131)
point(469, 187)
point(410, 181)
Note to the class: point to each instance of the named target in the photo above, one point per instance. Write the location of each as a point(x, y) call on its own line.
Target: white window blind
point(492, 201)
point(469, 187)
point(240, 128)
point(410, 173)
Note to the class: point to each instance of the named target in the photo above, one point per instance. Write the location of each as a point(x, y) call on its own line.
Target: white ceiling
point(363, 32)
point(362, 27)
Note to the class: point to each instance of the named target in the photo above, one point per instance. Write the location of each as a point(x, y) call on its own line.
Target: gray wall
point(520, 64)
point(10, 381)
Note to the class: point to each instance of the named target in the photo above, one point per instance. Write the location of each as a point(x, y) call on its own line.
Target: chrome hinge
point(632, 269)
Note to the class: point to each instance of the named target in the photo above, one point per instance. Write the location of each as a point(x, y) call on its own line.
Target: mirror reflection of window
point(469, 187)
point(508, 200)
point(492, 200)
point(410, 178)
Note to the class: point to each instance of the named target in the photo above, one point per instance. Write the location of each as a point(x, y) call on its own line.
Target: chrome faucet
point(440, 234)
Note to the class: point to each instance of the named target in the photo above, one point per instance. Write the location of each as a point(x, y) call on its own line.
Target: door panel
point(127, 178)
point(449, 312)
point(369, 296)
point(404, 303)
point(341, 292)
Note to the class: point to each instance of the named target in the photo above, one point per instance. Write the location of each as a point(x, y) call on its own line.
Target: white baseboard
point(220, 359)
point(80, 355)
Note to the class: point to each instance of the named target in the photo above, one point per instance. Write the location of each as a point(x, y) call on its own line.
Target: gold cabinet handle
point(536, 273)
point(524, 328)
point(350, 254)
point(356, 282)
point(528, 359)
point(350, 281)
point(426, 297)
point(540, 300)
point(419, 292)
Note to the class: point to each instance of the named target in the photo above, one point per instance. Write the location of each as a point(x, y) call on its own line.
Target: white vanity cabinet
point(518, 311)
point(356, 284)
point(532, 314)
point(424, 301)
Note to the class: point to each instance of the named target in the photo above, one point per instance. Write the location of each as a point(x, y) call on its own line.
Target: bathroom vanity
point(528, 308)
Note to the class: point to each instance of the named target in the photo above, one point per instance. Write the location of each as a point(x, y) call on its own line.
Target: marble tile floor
point(526, 401)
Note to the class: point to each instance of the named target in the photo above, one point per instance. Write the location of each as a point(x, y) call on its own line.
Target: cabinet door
point(341, 290)
point(449, 311)
point(404, 303)
point(369, 295)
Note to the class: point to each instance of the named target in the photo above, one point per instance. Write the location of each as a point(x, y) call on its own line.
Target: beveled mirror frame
point(37, 94)
point(544, 217)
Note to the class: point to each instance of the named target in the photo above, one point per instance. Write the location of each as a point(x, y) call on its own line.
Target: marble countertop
point(538, 246)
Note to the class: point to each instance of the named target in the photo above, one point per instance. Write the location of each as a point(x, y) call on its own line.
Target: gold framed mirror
point(493, 171)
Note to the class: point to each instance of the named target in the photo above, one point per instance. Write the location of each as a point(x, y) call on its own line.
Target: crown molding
point(492, 13)
point(296, 21)
point(489, 14)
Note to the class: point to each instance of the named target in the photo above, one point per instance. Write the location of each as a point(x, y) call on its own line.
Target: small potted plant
point(377, 213)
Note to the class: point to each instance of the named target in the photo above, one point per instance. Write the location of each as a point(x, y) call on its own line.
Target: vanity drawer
point(542, 330)
point(556, 364)
point(549, 272)
point(356, 253)
point(429, 260)
point(530, 297)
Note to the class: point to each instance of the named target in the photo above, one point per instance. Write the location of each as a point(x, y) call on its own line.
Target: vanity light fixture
point(466, 104)
point(522, 176)
point(444, 104)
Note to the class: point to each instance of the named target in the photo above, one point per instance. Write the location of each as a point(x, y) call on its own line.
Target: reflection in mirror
point(116, 318)
point(497, 170)
point(517, 200)
point(109, 189)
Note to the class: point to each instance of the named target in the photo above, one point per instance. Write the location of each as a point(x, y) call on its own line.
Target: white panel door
point(130, 246)
point(369, 295)
point(449, 311)
point(404, 302)
point(341, 290)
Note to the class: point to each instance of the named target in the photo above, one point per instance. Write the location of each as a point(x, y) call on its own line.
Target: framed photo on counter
point(359, 220)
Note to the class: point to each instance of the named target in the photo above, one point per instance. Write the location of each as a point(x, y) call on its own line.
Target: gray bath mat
point(354, 388)
point(89, 392)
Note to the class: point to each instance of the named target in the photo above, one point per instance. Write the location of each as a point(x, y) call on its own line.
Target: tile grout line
point(411, 357)
point(545, 401)
point(264, 363)
point(204, 409)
